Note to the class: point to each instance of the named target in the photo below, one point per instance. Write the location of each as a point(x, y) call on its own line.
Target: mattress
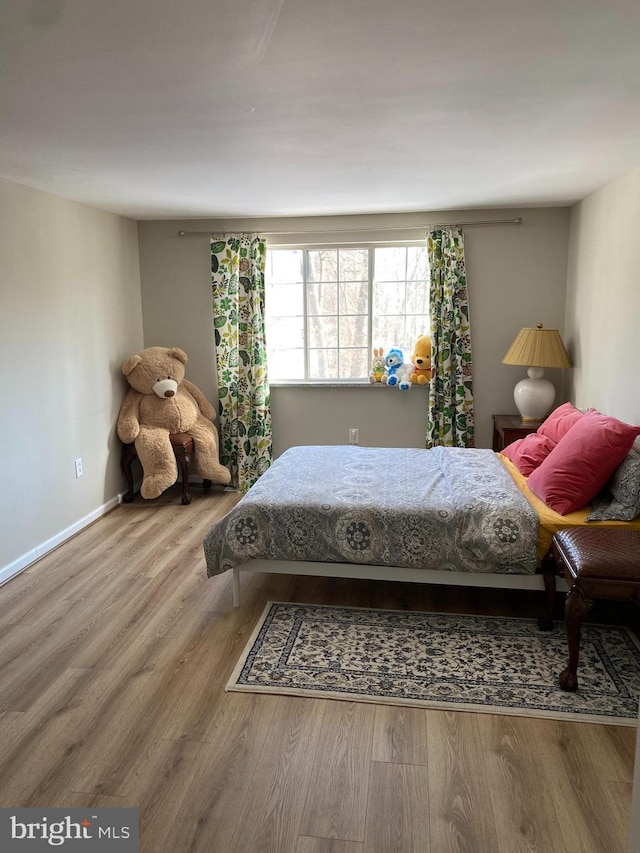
point(550, 522)
point(450, 509)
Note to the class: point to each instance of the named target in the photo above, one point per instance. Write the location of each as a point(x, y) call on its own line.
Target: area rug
point(432, 660)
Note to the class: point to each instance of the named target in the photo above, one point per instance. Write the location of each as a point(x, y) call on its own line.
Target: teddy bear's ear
point(130, 364)
point(176, 352)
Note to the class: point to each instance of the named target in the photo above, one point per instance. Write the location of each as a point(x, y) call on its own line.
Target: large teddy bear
point(160, 402)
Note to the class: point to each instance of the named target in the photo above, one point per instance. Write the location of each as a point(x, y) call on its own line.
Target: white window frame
point(370, 247)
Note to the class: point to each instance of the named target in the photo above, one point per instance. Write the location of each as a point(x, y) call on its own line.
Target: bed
point(446, 515)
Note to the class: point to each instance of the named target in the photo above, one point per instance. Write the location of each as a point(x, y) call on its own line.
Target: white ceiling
point(220, 108)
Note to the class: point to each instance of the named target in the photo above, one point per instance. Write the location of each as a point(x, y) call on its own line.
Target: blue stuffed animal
point(397, 371)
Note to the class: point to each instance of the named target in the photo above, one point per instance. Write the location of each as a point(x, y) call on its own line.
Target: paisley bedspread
point(446, 508)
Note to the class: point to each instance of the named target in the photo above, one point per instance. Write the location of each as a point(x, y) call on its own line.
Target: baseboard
point(23, 562)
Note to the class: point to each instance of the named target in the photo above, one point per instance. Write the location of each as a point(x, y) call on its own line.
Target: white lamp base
point(534, 396)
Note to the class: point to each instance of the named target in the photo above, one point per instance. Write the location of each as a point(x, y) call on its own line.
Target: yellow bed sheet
point(551, 522)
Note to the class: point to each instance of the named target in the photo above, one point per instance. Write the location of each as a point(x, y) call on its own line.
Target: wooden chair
point(182, 444)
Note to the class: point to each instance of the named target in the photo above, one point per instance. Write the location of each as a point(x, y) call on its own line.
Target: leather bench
point(597, 563)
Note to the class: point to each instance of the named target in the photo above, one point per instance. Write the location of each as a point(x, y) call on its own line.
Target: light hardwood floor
point(114, 655)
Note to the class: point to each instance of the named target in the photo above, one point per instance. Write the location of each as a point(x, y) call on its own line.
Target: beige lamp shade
point(536, 348)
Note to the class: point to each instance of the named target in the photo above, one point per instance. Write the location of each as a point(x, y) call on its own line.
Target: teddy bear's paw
point(213, 471)
point(128, 431)
point(392, 380)
point(404, 385)
point(223, 476)
point(154, 485)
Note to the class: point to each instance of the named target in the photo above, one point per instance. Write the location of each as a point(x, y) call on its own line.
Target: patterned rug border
point(340, 695)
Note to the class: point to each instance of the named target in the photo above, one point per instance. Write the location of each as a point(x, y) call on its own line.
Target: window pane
point(417, 263)
point(284, 313)
point(354, 363)
point(388, 297)
point(389, 332)
point(286, 364)
point(323, 331)
point(353, 264)
point(353, 331)
point(284, 265)
point(323, 298)
point(322, 265)
point(323, 363)
point(354, 297)
point(285, 332)
point(391, 263)
point(416, 326)
point(283, 300)
point(417, 297)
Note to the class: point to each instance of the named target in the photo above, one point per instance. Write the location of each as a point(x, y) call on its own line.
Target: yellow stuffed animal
point(421, 359)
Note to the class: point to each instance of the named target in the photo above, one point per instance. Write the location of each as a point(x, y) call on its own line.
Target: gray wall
point(603, 325)
point(70, 313)
point(603, 299)
point(516, 276)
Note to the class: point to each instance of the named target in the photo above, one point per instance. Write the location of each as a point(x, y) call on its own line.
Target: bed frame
point(388, 573)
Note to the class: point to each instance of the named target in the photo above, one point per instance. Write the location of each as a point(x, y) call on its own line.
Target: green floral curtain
point(450, 420)
point(237, 279)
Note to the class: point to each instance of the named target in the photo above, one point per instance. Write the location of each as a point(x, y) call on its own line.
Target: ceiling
point(226, 108)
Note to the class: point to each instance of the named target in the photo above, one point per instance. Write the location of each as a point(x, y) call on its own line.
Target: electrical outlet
point(354, 436)
point(79, 467)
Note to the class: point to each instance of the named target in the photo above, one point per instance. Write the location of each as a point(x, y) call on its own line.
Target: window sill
point(279, 383)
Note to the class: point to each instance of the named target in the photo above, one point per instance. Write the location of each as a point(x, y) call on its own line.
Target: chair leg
point(184, 461)
point(126, 460)
point(576, 608)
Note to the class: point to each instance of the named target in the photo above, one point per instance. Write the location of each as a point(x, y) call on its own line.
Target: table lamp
point(536, 349)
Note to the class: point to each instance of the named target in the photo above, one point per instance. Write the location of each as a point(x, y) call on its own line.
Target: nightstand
point(507, 428)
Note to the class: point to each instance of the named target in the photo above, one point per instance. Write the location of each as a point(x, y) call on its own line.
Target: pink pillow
point(582, 462)
point(560, 421)
point(529, 452)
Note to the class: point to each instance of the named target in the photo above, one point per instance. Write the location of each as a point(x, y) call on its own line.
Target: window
point(327, 308)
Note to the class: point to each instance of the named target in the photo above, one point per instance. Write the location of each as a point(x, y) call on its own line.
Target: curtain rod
point(517, 221)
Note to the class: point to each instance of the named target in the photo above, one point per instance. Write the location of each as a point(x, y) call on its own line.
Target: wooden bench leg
point(549, 571)
point(576, 608)
point(236, 586)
